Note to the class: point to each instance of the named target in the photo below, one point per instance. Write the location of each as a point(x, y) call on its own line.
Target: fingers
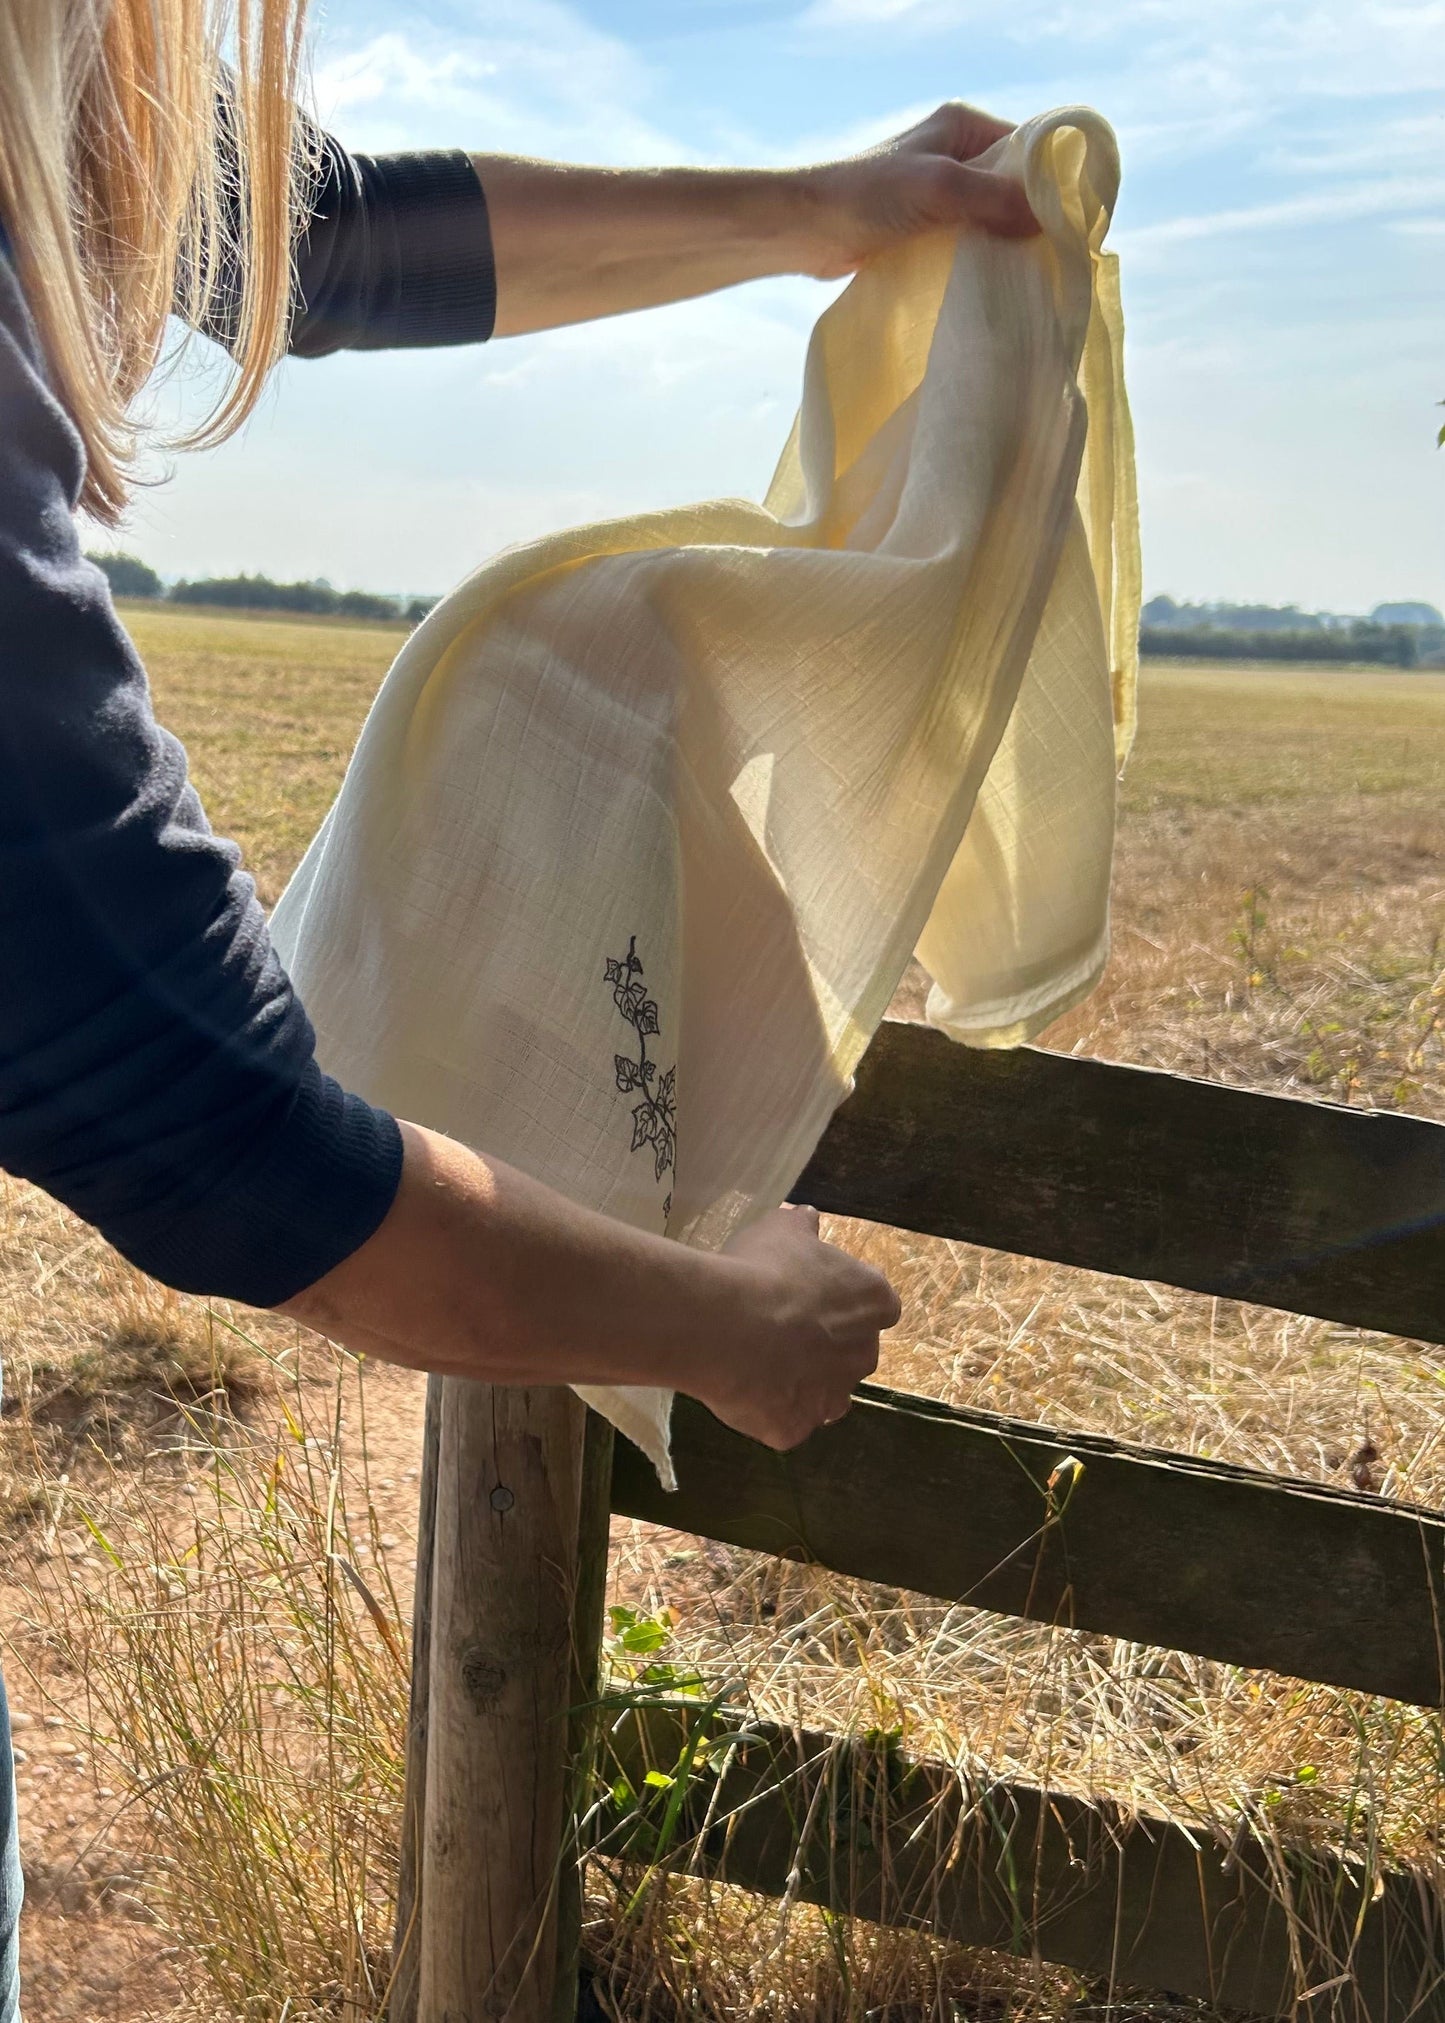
point(807, 1215)
point(818, 1314)
point(997, 203)
point(965, 131)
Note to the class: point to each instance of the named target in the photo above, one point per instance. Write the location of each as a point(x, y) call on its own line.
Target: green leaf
point(648, 1635)
point(659, 1780)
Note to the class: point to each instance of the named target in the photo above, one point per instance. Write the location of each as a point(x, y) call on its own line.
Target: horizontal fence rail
point(1305, 1206)
point(1139, 1901)
point(1193, 1555)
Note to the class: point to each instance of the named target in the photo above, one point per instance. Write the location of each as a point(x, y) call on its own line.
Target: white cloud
point(1339, 145)
point(1230, 54)
point(1335, 204)
point(520, 77)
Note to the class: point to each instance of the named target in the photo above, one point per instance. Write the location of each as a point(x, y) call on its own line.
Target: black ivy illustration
point(654, 1118)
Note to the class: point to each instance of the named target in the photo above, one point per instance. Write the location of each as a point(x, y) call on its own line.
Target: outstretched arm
point(571, 243)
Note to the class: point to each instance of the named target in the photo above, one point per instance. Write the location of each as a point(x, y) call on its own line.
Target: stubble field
point(210, 1704)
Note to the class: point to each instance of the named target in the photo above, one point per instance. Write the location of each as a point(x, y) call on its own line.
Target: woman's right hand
point(814, 1318)
point(479, 1271)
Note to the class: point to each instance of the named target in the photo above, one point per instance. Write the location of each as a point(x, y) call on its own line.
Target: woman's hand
point(815, 1315)
point(479, 1271)
point(920, 181)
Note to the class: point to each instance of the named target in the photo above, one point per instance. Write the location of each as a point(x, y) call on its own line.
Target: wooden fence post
point(492, 1889)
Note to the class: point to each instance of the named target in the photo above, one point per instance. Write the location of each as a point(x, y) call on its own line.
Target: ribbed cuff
point(433, 278)
point(305, 1197)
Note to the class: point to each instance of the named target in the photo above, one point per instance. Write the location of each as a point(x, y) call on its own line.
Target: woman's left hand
point(922, 180)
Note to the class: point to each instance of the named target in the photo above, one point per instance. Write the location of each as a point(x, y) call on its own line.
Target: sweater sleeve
point(157, 1073)
point(396, 252)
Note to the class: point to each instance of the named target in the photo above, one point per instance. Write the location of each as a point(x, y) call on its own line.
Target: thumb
point(995, 203)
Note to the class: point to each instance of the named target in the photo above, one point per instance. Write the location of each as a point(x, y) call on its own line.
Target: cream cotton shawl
point(648, 817)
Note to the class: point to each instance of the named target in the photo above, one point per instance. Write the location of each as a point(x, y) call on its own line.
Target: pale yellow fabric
point(769, 750)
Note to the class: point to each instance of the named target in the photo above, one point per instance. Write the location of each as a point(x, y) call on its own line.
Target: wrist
point(748, 1333)
point(806, 213)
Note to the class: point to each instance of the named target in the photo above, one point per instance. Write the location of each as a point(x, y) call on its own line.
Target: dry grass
point(245, 1682)
point(1280, 905)
point(268, 710)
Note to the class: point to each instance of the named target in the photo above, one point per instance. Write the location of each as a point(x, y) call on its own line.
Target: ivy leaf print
point(654, 1119)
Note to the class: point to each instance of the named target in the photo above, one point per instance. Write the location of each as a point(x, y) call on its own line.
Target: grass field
point(1280, 901)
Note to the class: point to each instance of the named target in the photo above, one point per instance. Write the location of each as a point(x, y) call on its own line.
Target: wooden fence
point(1311, 1208)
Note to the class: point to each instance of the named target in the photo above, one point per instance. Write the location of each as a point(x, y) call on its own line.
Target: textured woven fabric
point(649, 817)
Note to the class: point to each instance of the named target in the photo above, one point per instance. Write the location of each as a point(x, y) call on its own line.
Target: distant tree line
point(1388, 645)
point(1164, 614)
point(130, 577)
point(1394, 635)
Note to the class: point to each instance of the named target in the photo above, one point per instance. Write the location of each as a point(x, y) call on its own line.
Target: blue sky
point(1282, 232)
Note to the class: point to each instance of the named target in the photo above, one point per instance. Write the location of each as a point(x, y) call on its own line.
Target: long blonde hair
point(119, 205)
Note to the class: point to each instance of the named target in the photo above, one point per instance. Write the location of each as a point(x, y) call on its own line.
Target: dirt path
point(92, 1950)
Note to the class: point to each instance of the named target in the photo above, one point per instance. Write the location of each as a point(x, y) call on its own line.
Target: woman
point(156, 1072)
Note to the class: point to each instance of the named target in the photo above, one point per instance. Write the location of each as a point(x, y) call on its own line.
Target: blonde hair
point(121, 206)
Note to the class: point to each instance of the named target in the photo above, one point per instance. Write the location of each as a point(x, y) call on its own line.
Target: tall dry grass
point(245, 1675)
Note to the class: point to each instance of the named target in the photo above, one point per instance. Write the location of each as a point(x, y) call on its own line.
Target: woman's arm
point(571, 244)
point(479, 1271)
point(440, 248)
point(157, 1073)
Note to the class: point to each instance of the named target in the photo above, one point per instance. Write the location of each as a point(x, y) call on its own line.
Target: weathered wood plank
point(503, 1594)
point(1305, 1206)
point(1133, 1900)
point(1160, 1548)
point(406, 1951)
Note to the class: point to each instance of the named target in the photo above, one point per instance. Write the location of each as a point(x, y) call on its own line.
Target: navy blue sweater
point(156, 1070)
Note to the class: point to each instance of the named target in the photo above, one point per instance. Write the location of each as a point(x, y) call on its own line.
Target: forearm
point(575, 243)
point(481, 1272)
